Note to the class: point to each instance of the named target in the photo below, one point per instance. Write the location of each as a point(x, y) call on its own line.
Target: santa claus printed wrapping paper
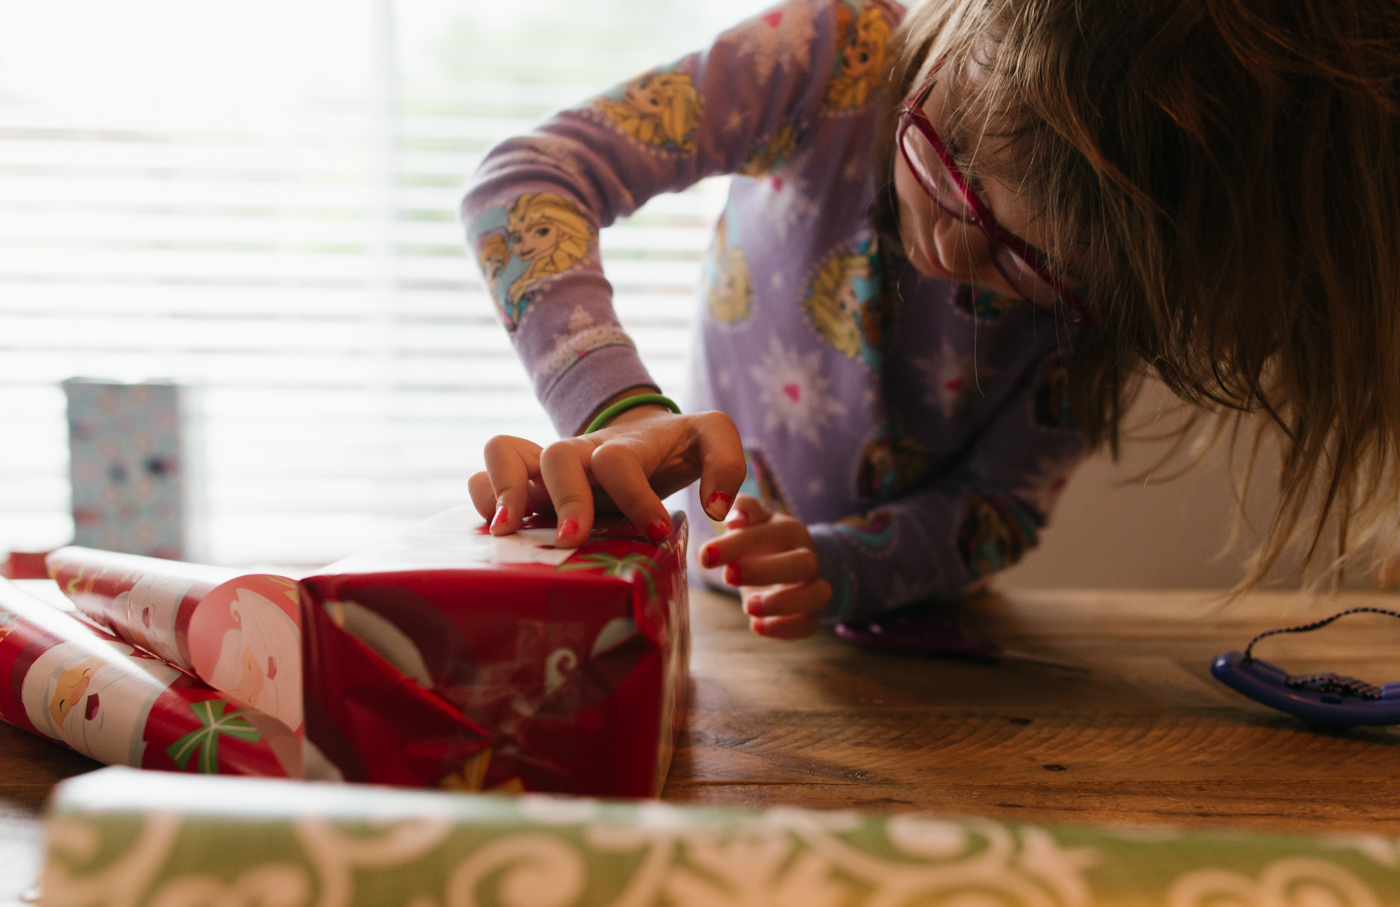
point(237, 632)
point(447, 658)
point(566, 668)
point(65, 680)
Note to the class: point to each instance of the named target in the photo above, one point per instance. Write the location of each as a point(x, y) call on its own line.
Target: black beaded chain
point(1326, 682)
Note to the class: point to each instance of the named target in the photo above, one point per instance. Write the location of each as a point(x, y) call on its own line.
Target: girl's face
point(938, 244)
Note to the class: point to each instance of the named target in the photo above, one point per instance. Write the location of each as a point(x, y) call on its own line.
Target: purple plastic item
point(925, 633)
point(920, 634)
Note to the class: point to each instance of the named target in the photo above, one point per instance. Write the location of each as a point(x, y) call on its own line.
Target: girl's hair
point(1227, 175)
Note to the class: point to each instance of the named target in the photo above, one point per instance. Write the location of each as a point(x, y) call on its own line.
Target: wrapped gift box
point(452, 658)
point(134, 464)
point(122, 837)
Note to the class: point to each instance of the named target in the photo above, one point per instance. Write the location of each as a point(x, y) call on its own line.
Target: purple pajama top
point(920, 430)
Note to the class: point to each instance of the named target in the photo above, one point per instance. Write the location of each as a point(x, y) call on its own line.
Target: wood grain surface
point(1146, 737)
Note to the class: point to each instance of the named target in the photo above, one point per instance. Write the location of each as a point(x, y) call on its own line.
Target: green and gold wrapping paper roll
point(120, 837)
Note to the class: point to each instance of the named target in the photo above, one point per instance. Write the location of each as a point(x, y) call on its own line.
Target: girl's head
point(1218, 180)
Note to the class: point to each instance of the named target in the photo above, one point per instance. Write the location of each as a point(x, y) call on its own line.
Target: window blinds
point(295, 253)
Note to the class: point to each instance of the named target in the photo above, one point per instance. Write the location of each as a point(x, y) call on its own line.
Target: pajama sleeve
point(534, 208)
point(973, 519)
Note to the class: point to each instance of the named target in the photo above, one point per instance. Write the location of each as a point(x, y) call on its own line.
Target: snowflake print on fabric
point(948, 377)
point(845, 306)
point(892, 465)
point(993, 535)
point(862, 43)
point(785, 200)
point(796, 396)
point(778, 36)
point(541, 235)
point(660, 109)
point(1052, 398)
point(983, 304)
point(727, 280)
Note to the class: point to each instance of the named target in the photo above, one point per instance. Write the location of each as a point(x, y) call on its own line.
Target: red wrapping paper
point(98, 695)
point(237, 632)
point(570, 665)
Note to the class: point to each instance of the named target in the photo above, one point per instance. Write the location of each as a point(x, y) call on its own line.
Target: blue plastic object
point(1328, 700)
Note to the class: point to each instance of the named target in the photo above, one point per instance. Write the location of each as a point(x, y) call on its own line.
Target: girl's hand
point(645, 454)
point(771, 559)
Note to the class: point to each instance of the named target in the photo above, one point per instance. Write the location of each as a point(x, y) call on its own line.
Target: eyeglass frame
point(911, 114)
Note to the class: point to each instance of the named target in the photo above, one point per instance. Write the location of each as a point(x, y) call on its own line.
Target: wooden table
point(1147, 737)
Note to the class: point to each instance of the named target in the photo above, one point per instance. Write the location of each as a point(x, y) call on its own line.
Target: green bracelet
point(627, 403)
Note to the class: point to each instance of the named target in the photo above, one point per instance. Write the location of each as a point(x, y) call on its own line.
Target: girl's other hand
point(642, 456)
point(771, 559)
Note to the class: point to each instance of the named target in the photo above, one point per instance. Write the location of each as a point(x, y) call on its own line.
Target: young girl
point(956, 270)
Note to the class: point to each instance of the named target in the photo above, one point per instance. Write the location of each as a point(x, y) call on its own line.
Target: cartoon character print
point(1052, 398)
point(845, 307)
point(259, 657)
point(97, 704)
point(893, 464)
point(772, 154)
point(660, 109)
point(993, 535)
point(873, 530)
point(493, 257)
point(543, 235)
point(861, 40)
point(983, 304)
point(728, 283)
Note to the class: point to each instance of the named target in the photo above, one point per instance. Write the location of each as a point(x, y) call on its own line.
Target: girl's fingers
point(566, 480)
point(798, 565)
point(748, 511)
point(483, 496)
point(510, 464)
point(766, 538)
point(617, 471)
point(722, 467)
point(805, 598)
point(797, 626)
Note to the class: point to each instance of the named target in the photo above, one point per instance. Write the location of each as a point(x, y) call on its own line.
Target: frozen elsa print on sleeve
point(661, 109)
point(740, 105)
point(540, 236)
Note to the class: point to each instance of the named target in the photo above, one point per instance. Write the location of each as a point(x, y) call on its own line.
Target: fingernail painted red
point(731, 574)
point(501, 516)
point(568, 529)
point(720, 498)
point(707, 557)
point(658, 530)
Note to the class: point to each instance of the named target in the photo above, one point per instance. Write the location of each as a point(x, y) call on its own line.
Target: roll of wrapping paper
point(94, 693)
point(238, 632)
point(117, 837)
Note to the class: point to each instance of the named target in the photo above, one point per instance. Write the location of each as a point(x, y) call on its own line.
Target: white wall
point(1113, 529)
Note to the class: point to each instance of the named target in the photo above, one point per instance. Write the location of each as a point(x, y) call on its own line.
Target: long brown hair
point(1229, 171)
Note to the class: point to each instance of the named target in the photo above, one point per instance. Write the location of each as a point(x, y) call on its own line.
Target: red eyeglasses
point(1024, 267)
